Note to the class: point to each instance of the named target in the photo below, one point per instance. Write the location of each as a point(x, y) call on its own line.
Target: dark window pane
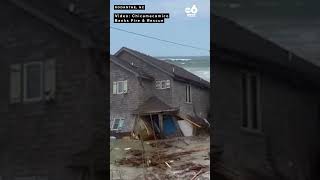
point(116, 124)
point(186, 93)
point(244, 101)
point(33, 85)
point(254, 102)
point(189, 93)
point(120, 86)
point(163, 84)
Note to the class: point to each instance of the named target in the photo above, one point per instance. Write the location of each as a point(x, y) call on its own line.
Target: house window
point(162, 84)
point(118, 124)
point(188, 93)
point(32, 81)
point(250, 101)
point(15, 83)
point(120, 87)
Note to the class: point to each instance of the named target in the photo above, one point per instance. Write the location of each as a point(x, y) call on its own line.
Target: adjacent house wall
point(39, 138)
point(242, 149)
point(290, 118)
point(286, 144)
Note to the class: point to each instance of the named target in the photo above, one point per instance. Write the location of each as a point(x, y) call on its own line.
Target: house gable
point(149, 86)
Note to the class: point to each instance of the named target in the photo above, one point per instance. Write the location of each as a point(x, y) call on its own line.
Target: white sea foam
point(200, 66)
point(176, 59)
point(203, 73)
point(179, 59)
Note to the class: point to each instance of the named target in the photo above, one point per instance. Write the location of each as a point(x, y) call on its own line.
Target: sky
point(179, 28)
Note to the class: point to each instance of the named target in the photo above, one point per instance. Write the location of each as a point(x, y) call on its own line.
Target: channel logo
point(191, 12)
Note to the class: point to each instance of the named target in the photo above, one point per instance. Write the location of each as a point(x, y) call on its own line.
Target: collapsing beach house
point(153, 99)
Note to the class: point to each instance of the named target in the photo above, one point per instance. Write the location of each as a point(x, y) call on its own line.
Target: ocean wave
point(202, 73)
point(199, 66)
point(176, 59)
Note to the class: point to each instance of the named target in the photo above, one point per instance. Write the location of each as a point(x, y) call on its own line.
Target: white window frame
point(159, 84)
point(125, 87)
point(188, 94)
point(118, 85)
point(15, 68)
point(25, 79)
point(121, 122)
point(248, 109)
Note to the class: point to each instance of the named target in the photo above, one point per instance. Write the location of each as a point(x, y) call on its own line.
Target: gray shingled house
point(52, 100)
point(266, 107)
point(165, 96)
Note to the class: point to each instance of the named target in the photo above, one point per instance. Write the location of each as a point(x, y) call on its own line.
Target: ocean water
point(198, 65)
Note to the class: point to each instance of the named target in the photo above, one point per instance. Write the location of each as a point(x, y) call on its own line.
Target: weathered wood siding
point(199, 105)
point(122, 105)
point(164, 95)
point(40, 138)
point(289, 116)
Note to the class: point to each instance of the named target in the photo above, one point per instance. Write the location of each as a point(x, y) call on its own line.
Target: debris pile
point(169, 159)
point(158, 158)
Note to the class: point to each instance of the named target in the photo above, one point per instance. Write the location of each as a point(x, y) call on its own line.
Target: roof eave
point(132, 53)
point(274, 67)
point(173, 110)
point(87, 41)
point(120, 65)
point(196, 83)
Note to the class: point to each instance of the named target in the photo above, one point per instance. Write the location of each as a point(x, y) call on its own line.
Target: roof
point(135, 70)
point(228, 35)
point(197, 120)
point(79, 24)
point(172, 70)
point(154, 105)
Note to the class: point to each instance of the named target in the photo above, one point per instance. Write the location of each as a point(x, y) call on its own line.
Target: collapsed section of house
point(157, 120)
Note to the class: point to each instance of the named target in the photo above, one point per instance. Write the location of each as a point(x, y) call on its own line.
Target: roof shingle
point(138, 71)
point(154, 105)
point(175, 71)
point(229, 35)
